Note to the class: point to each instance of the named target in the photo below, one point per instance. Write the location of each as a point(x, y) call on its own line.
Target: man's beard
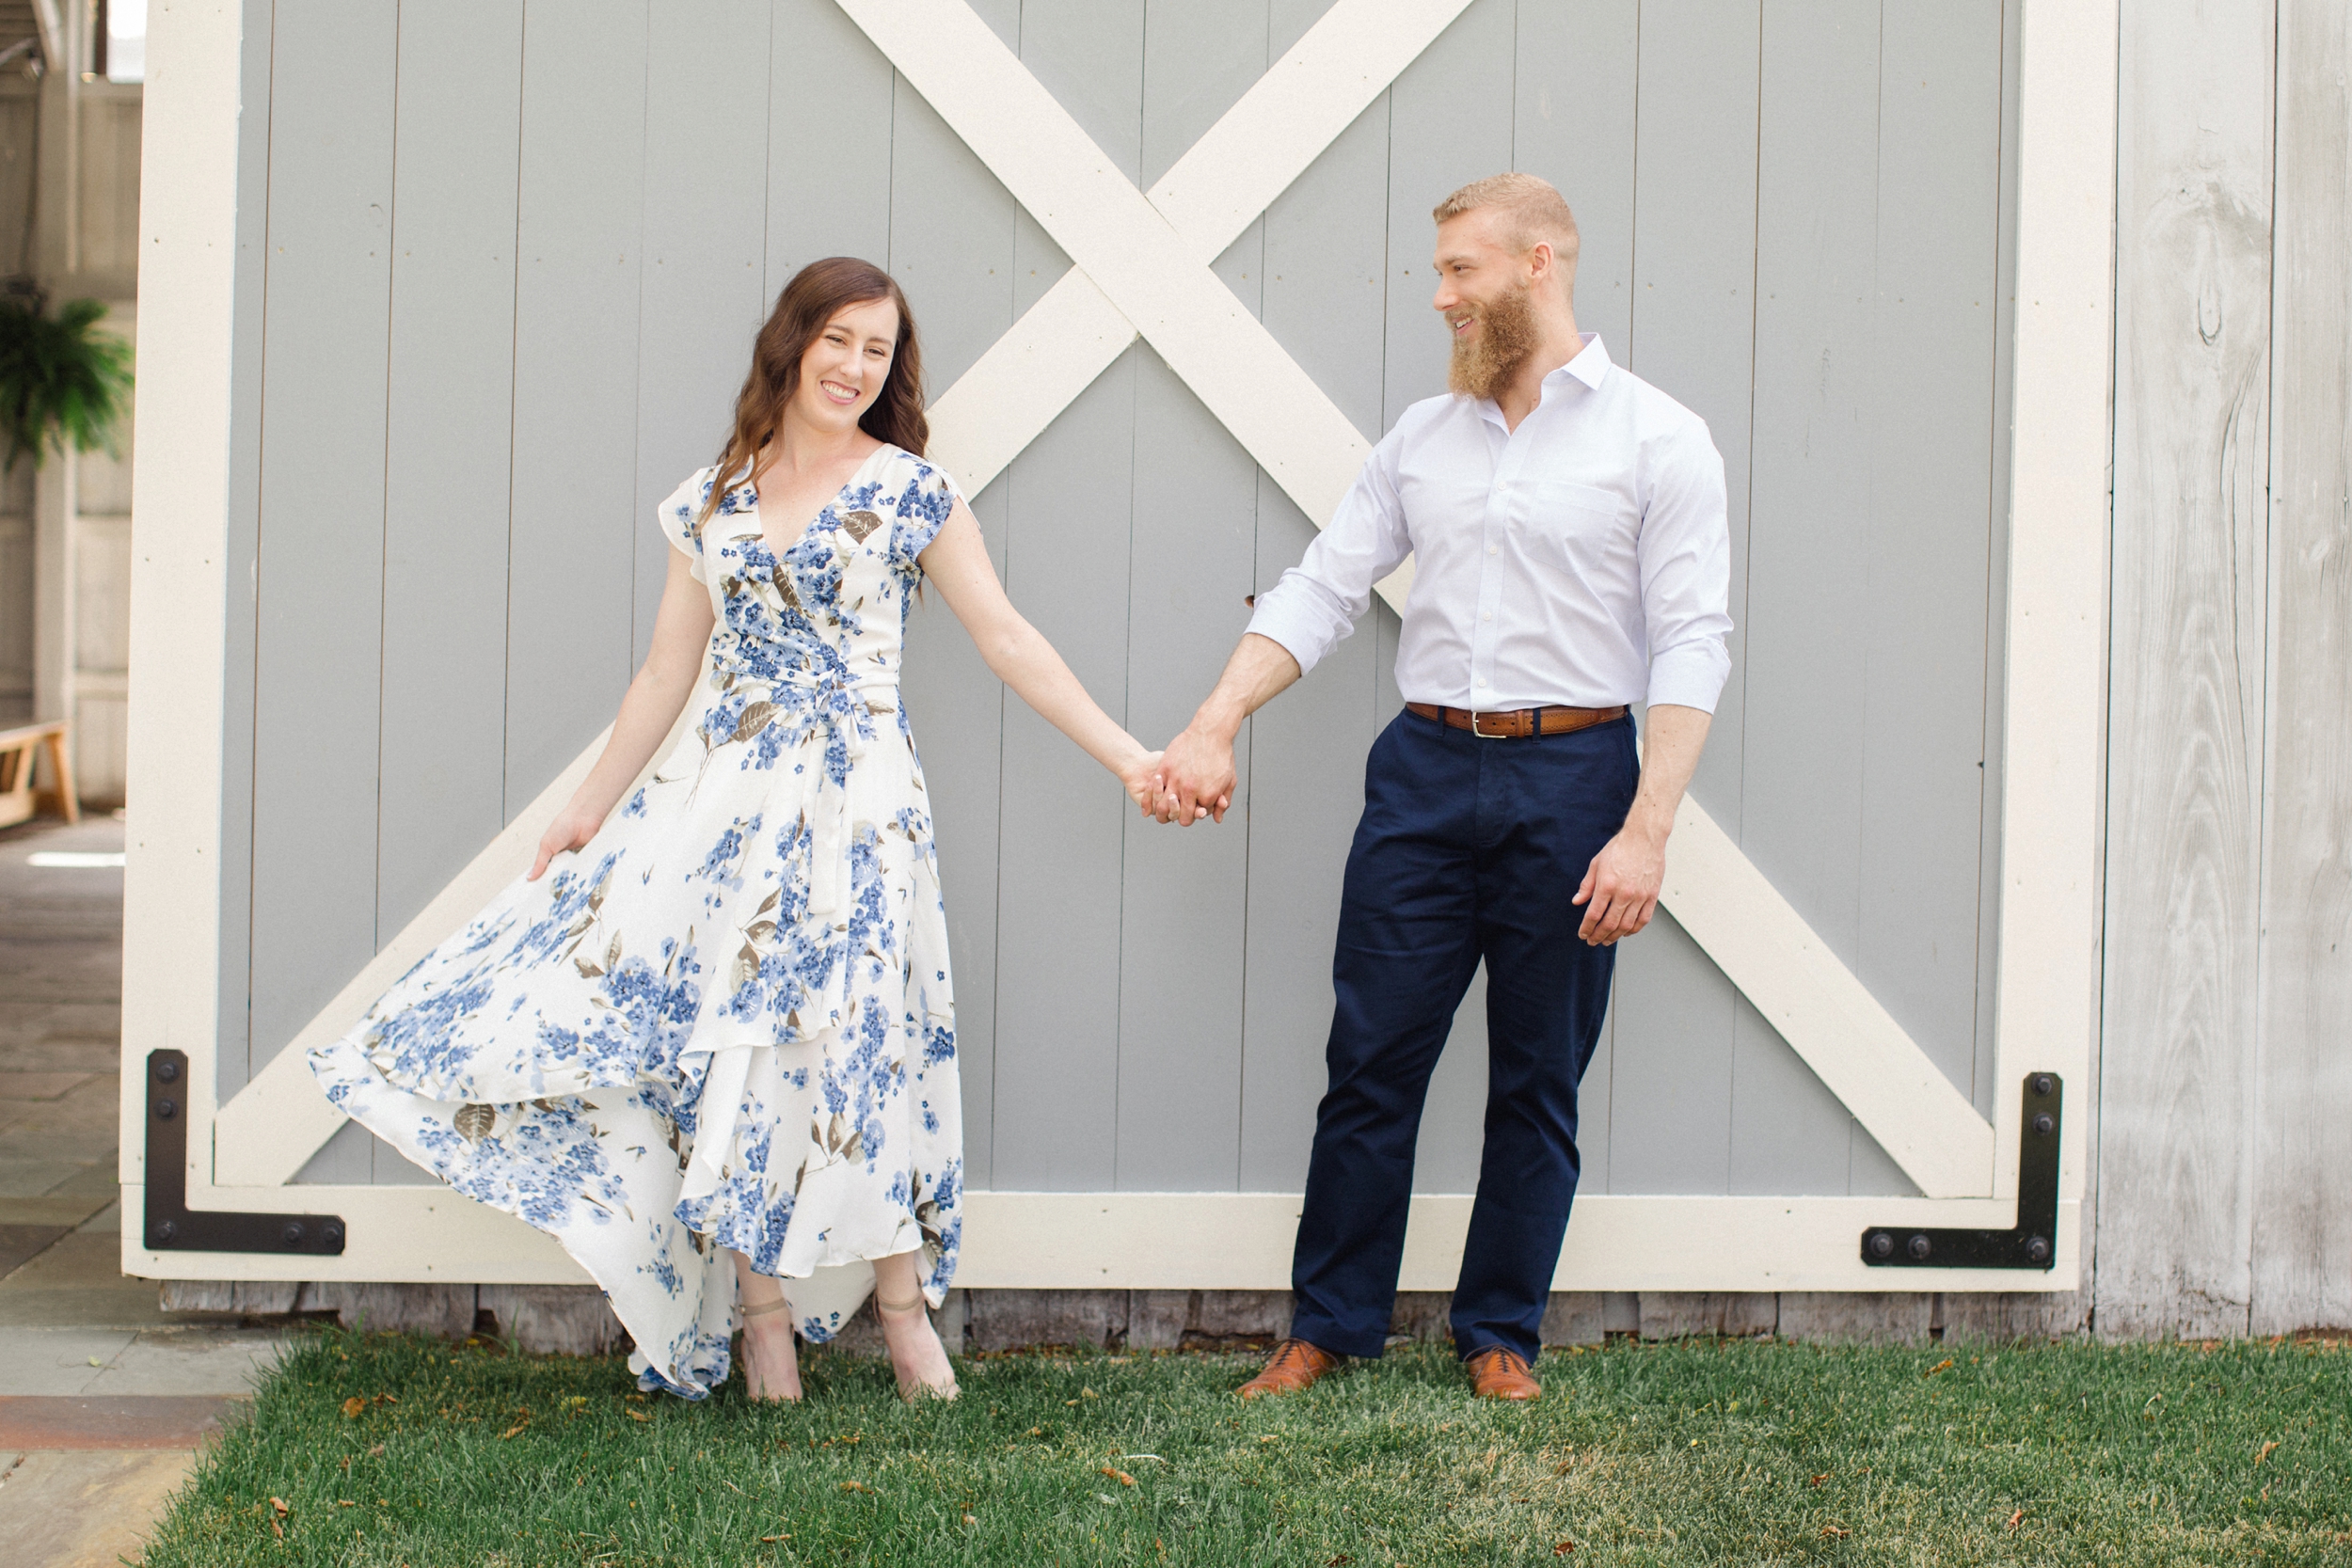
point(1490, 356)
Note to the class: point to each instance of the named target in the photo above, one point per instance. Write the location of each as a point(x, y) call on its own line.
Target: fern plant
point(61, 382)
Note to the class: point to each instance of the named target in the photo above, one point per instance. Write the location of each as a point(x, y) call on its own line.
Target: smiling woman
point(708, 1041)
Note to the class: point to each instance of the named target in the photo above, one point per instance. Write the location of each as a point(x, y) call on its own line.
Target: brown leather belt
point(1513, 723)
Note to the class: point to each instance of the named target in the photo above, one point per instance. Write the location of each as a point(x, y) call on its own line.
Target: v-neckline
point(759, 523)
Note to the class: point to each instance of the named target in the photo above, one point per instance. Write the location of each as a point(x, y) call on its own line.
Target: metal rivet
point(168, 1073)
point(1882, 1244)
point(2038, 1250)
point(2044, 1084)
point(1920, 1247)
point(166, 1232)
point(334, 1233)
point(166, 1109)
point(293, 1234)
point(2045, 1124)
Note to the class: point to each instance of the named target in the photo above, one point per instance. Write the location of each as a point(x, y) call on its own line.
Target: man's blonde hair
point(1533, 210)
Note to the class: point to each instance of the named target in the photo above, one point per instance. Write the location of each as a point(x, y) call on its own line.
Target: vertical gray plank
point(828, 189)
point(1324, 240)
point(241, 565)
point(2302, 1252)
point(1089, 53)
point(321, 534)
point(1931, 438)
point(1788, 1133)
point(1450, 124)
point(1306, 758)
point(448, 445)
point(1691, 335)
point(951, 240)
point(2186, 713)
point(957, 709)
point(1670, 1082)
point(1694, 236)
point(1811, 541)
point(1063, 819)
point(1573, 123)
point(951, 248)
point(1185, 890)
point(581, 200)
point(1183, 916)
point(1306, 785)
point(705, 250)
point(1068, 567)
point(1997, 602)
point(1199, 59)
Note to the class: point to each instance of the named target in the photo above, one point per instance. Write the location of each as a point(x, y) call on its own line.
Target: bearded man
point(1566, 521)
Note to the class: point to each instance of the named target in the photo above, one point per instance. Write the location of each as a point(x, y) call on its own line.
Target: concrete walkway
point(103, 1401)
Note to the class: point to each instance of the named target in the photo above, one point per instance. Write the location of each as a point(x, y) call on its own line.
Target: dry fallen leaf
point(970, 1520)
point(353, 1407)
point(513, 1430)
point(1562, 1548)
point(1822, 1477)
point(1831, 1532)
point(1118, 1475)
point(856, 1486)
point(2265, 1452)
point(346, 1503)
point(1036, 1432)
point(2015, 1519)
point(771, 1540)
point(1943, 1366)
point(639, 1416)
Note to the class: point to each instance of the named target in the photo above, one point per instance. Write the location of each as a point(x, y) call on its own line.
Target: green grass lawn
point(367, 1449)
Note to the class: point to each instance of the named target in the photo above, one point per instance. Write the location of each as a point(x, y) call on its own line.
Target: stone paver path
point(104, 1398)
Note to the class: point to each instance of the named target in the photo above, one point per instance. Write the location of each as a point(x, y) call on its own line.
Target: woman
point(714, 1053)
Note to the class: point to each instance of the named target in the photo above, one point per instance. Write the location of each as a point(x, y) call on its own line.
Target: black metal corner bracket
point(2032, 1244)
point(171, 1224)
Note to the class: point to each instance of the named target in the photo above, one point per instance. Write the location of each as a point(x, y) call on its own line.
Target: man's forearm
point(1259, 668)
point(1671, 754)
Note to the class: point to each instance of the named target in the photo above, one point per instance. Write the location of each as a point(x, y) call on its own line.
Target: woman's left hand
point(1142, 778)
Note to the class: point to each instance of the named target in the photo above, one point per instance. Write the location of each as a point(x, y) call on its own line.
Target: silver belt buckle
point(1477, 716)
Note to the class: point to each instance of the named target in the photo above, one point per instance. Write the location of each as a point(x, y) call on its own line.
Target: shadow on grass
point(378, 1449)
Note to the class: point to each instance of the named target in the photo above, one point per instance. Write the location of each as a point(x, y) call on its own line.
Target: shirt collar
point(1590, 366)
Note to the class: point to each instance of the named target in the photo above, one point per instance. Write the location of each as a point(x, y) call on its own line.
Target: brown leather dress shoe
point(1294, 1365)
point(1497, 1374)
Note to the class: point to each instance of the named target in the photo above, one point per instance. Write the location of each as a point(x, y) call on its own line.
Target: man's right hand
point(1196, 777)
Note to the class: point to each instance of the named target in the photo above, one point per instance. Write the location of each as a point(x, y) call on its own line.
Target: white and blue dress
point(726, 1023)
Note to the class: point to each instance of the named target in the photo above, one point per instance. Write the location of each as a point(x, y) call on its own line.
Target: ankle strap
point(768, 1308)
point(900, 1307)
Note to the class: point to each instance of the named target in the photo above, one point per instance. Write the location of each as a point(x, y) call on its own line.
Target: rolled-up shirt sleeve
point(1319, 601)
point(1685, 559)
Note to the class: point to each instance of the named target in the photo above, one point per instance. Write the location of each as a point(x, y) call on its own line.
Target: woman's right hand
point(573, 827)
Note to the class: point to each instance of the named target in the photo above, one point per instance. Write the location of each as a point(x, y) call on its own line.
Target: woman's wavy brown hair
point(815, 293)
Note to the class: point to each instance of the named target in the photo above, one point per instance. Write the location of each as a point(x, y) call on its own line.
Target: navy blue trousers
point(1468, 849)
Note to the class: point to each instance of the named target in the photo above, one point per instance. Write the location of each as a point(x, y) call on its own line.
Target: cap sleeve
point(923, 507)
point(680, 520)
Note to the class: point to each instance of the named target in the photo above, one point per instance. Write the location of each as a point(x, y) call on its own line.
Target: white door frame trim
point(1142, 259)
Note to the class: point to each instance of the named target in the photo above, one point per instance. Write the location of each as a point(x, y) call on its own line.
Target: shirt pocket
point(1587, 533)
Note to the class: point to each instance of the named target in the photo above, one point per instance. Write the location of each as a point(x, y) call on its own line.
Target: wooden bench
point(18, 747)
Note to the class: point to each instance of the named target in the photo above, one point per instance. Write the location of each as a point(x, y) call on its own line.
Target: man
point(1567, 524)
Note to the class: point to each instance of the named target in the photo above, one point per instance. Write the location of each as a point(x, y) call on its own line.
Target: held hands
point(573, 827)
point(1195, 779)
point(1620, 888)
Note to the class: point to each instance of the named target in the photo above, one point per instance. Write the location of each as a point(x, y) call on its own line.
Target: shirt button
point(1490, 549)
point(1486, 614)
point(1481, 680)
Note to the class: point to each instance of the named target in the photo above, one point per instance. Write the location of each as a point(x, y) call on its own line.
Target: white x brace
point(1141, 267)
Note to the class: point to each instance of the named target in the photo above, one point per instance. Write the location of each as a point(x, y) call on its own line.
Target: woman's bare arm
point(681, 629)
point(958, 564)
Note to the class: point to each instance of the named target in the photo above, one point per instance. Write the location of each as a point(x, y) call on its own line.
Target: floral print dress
point(726, 1023)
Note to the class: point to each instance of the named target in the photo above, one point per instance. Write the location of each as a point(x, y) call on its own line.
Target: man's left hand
point(1620, 888)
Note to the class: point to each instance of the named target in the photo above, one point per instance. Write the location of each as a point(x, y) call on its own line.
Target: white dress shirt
point(1582, 559)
